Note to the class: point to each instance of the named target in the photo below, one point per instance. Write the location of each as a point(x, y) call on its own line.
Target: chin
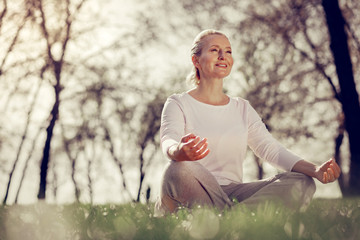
point(223, 75)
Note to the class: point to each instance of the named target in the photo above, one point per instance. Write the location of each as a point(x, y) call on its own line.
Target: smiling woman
point(197, 49)
point(215, 61)
point(212, 60)
point(205, 133)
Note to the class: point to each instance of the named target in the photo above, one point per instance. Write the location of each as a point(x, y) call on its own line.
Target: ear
point(195, 61)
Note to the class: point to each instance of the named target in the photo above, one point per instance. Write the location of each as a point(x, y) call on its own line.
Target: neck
point(210, 92)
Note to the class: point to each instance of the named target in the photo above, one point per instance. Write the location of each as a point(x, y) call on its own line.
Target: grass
point(324, 219)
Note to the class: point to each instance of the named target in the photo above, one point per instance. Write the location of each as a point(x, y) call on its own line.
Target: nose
point(221, 55)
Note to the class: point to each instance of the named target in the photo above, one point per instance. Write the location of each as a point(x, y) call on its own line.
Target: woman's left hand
point(328, 172)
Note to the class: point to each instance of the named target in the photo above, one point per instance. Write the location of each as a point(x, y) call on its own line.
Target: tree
point(315, 53)
point(11, 40)
point(148, 136)
point(60, 62)
point(55, 62)
point(56, 40)
point(349, 96)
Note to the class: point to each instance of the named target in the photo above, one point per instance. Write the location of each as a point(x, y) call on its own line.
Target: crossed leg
point(189, 183)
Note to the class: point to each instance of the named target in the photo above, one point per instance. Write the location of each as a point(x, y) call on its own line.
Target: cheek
point(205, 61)
point(231, 61)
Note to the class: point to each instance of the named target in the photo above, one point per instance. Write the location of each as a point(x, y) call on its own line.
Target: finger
point(192, 142)
point(193, 151)
point(200, 151)
point(187, 137)
point(336, 166)
point(203, 154)
point(325, 179)
point(336, 170)
point(188, 149)
point(330, 173)
point(325, 165)
point(200, 144)
point(328, 162)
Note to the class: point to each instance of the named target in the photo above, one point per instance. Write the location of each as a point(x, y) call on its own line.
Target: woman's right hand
point(190, 148)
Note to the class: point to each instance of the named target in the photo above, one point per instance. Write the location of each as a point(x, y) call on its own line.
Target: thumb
point(187, 137)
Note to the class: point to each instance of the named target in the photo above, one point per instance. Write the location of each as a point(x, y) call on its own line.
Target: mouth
point(221, 65)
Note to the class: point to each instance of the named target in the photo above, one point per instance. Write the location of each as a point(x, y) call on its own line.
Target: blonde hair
point(194, 76)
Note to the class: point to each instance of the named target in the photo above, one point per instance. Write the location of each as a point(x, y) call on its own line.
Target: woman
point(205, 134)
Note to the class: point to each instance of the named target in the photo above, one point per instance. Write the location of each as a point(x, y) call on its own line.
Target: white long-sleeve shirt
point(229, 129)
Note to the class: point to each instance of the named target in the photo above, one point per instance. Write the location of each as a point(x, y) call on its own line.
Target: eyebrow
point(215, 45)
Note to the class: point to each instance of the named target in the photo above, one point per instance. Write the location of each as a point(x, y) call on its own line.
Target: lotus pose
point(205, 134)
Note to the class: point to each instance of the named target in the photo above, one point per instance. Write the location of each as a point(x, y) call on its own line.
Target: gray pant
point(189, 183)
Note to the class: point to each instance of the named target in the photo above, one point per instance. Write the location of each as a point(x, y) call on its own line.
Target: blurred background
point(83, 83)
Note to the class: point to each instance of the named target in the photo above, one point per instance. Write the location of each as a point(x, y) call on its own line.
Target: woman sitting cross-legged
point(205, 134)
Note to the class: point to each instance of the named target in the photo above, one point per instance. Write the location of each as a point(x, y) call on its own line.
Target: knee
point(304, 183)
point(303, 187)
point(178, 184)
point(180, 171)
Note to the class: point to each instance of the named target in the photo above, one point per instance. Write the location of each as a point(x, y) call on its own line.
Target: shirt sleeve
point(172, 124)
point(265, 146)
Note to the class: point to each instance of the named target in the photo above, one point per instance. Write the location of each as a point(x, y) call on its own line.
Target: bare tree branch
point(288, 39)
point(72, 159)
point(35, 140)
point(109, 139)
point(15, 38)
point(23, 139)
point(3, 13)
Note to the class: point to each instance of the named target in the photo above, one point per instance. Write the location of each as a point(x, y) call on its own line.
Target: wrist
point(172, 152)
point(306, 168)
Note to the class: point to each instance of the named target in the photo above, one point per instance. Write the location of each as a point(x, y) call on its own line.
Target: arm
point(326, 173)
point(174, 144)
point(265, 146)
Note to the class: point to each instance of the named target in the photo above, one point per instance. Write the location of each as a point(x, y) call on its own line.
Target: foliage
point(324, 219)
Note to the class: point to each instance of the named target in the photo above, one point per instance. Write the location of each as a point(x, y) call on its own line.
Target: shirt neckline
point(206, 104)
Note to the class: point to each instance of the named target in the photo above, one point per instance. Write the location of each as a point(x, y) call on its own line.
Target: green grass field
point(324, 219)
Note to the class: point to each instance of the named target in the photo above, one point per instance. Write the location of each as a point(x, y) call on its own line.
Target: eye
point(229, 52)
point(213, 50)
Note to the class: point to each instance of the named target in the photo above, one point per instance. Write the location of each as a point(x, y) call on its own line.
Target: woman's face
point(216, 59)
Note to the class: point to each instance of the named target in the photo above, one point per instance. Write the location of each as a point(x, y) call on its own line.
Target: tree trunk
point(142, 174)
point(77, 190)
point(49, 130)
point(46, 153)
point(338, 142)
point(73, 163)
point(349, 96)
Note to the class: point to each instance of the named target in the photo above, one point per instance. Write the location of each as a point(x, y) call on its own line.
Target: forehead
point(216, 39)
